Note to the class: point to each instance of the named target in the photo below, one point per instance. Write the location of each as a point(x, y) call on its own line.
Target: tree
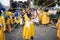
point(52, 3)
point(46, 2)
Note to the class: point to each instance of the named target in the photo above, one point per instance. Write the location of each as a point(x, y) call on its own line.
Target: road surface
point(42, 32)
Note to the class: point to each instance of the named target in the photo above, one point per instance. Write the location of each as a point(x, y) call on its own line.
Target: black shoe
point(32, 38)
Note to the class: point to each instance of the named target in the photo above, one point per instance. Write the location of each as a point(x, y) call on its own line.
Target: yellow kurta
point(58, 26)
point(45, 18)
point(2, 35)
point(28, 30)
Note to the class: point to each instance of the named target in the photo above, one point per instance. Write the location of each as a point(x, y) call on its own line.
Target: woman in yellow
point(28, 30)
point(2, 28)
point(45, 18)
point(58, 26)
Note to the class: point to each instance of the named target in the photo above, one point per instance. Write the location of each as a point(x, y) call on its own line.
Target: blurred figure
point(8, 22)
point(58, 26)
point(40, 15)
point(45, 18)
point(16, 18)
point(57, 16)
point(2, 12)
point(2, 26)
point(28, 30)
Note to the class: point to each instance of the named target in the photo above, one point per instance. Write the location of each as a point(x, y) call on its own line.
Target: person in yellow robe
point(40, 15)
point(17, 19)
point(2, 28)
point(28, 30)
point(8, 22)
point(11, 14)
point(58, 26)
point(45, 18)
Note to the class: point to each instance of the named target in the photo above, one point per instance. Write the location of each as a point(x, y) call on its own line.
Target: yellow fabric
point(12, 20)
point(2, 35)
point(46, 13)
point(40, 16)
point(42, 13)
point(8, 21)
point(58, 26)
point(45, 20)
point(3, 22)
point(26, 17)
point(17, 21)
point(32, 29)
point(9, 13)
point(28, 32)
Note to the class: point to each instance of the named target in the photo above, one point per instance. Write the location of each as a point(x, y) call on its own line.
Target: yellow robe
point(2, 35)
point(8, 22)
point(40, 16)
point(58, 26)
point(45, 18)
point(9, 13)
point(28, 30)
point(17, 21)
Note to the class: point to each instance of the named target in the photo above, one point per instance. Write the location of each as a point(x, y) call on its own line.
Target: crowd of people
point(26, 18)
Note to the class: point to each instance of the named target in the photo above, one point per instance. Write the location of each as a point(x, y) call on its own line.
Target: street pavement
point(42, 32)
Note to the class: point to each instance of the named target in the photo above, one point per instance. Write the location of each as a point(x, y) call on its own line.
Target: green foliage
point(47, 3)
